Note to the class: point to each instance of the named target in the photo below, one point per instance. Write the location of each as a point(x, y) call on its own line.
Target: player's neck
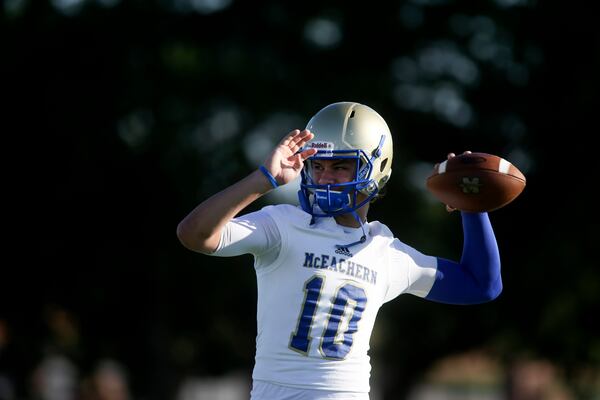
point(350, 221)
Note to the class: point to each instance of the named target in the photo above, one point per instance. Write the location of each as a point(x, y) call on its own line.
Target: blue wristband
point(268, 175)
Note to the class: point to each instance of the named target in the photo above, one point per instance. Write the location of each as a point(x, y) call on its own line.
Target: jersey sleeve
point(410, 271)
point(255, 233)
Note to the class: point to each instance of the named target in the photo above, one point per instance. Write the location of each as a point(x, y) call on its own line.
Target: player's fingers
point(307, 153)
point(302, 134)
point(289, 137)
point(295, 162)
point(303, 137)
point(467, 152)
point(450, 155)
point(450, 209)
point(300, 140)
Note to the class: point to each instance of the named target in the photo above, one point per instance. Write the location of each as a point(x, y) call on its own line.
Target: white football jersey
point(317, 303)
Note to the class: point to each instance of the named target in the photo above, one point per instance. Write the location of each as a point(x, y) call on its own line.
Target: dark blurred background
point(120, 116)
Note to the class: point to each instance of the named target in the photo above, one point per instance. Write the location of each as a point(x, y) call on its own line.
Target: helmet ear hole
point(383, 164)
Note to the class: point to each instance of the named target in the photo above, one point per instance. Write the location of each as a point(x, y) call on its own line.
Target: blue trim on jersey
point(476, 279)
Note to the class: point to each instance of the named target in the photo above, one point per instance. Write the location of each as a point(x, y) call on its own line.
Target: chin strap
point(362, 239)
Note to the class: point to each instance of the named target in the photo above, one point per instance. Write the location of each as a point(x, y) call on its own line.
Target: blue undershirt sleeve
point(476, 279)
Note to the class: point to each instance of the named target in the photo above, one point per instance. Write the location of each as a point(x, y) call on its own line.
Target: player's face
point(329, 172)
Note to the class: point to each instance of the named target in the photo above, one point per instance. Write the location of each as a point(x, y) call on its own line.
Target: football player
point(323, 269)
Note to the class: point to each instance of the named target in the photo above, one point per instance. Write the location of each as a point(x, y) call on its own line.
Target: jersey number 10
point(335, 344)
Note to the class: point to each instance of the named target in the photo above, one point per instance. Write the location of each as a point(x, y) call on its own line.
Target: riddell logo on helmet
point(321, 145)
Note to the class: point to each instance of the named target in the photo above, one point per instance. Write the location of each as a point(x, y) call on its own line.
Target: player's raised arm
point(477, 277)
point(201, 229)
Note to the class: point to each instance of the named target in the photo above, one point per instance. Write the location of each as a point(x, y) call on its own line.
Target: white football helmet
point(347, 130)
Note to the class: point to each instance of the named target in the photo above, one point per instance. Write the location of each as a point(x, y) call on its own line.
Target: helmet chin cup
point(322, 201)
point(331, 201)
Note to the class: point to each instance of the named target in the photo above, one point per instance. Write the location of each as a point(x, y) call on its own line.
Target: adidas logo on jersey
point(344, 251)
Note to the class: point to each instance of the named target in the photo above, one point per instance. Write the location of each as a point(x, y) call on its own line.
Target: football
point(476, 182)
